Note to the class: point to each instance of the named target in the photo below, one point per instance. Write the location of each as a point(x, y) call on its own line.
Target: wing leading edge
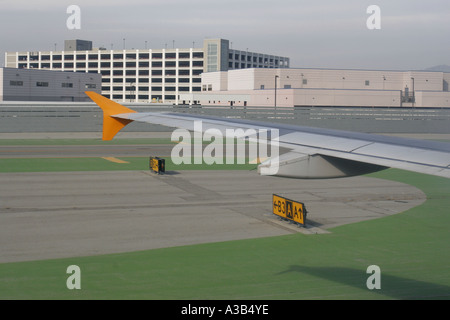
point(313, 152)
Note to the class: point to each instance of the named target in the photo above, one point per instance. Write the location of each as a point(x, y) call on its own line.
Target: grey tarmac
point(70, 214)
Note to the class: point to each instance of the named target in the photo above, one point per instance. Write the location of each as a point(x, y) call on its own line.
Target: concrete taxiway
point(70, 214)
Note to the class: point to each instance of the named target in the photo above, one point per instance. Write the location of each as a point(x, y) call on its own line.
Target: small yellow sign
point(157, 165)
point(289, 209)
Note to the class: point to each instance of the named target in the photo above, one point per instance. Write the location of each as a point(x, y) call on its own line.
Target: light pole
point(276, 91)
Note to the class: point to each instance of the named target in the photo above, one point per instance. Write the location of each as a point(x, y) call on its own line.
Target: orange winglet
point(111, 125)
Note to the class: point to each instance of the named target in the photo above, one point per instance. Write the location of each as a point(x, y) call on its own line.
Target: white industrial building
point(145, 75)
point(45, 85)
point(323, 87)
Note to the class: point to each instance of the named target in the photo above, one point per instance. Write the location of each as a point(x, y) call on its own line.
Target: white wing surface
point(312, 152)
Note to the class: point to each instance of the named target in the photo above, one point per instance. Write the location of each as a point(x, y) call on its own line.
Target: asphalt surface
point(70, 214)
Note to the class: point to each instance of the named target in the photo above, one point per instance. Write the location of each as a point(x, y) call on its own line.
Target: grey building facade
point(45, 85)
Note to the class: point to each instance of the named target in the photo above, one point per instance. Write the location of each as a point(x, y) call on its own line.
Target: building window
point(305, 81)
point(67, 85)
point(90, 86)
point(367, 82)
point(212, 58)
point(184, 64)
point(41, 84)
point(184, 55)
point(197, 55)
point(262, 87)
point(16, 83)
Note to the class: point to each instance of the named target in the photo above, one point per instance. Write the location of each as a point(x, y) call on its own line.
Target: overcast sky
point(314, 34)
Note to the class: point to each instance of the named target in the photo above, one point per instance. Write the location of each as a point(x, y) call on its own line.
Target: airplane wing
point(312, 152)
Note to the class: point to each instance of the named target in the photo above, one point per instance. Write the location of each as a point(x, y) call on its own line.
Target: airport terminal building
point(323, 87)
point(146, 75)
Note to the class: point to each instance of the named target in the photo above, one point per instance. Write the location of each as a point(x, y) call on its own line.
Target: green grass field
point(412, 250)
